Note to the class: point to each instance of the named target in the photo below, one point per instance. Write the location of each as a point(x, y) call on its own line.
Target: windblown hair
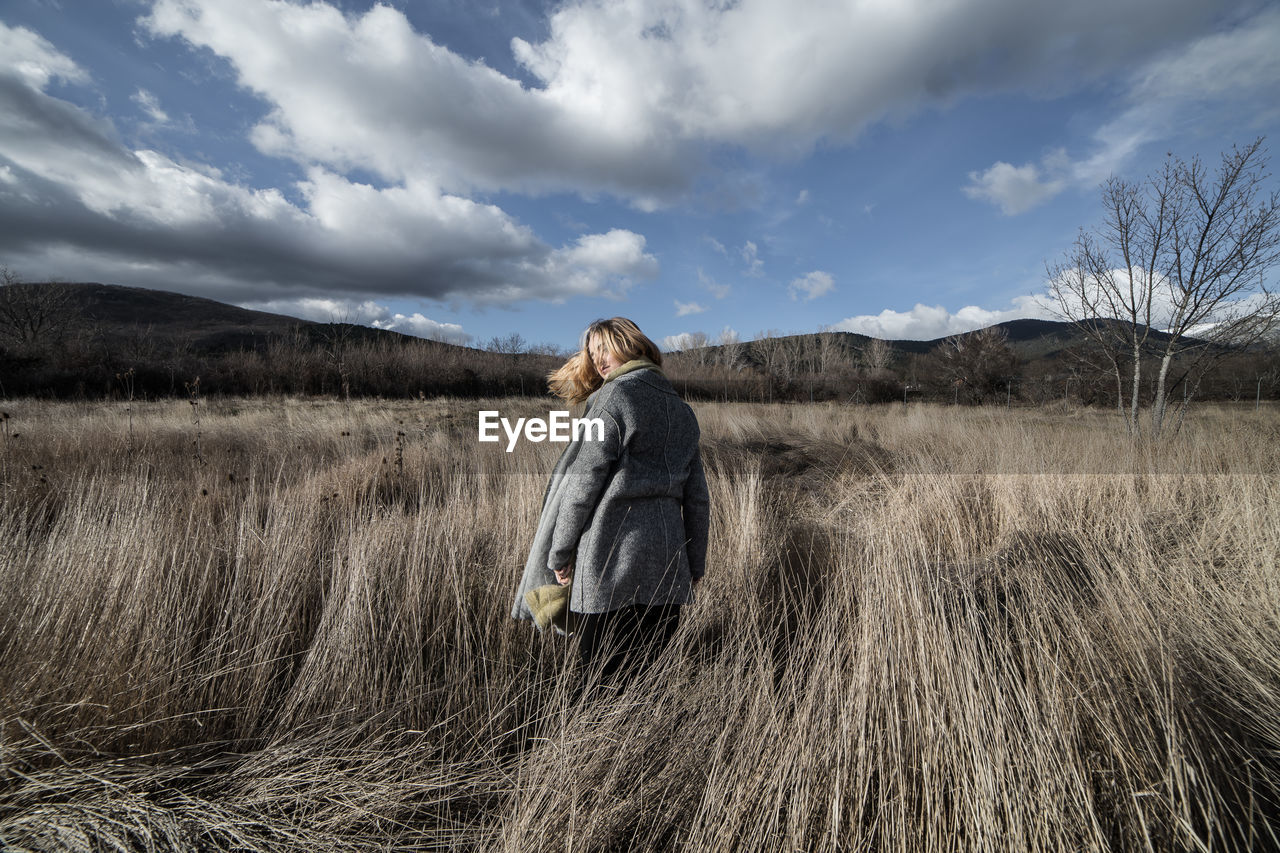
point(577, 378)
point(574, 380)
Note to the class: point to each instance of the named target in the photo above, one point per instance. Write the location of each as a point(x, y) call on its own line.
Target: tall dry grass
point(930, 629)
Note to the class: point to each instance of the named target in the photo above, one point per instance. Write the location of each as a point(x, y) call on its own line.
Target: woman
point(624, 519)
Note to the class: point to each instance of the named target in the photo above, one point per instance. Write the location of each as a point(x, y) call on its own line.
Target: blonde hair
point(577, 378)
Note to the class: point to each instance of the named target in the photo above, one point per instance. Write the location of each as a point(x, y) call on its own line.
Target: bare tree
point(694, 346)
point(31, 314)
point(729, 347)
point(1266, 368)
point(875, 358)
point(766, 349)
point(727, 357)
point(830, 356)
point(178, 353)
point(337, 340)
point(781, 357)
point(978, 364)
point(510, 344)
point(1088, 372)
point(1176, 271)
point(547, 348)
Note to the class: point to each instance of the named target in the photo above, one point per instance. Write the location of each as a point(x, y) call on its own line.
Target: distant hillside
point(101, 340)
point(206, 324)
point(166, 319)
point(1030, 339)
point(89, 339)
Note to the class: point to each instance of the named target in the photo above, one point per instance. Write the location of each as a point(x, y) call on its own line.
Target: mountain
point(110, 312)
point(93, 340)
point(1030, 339)
point(80, 339)
point(206, 323)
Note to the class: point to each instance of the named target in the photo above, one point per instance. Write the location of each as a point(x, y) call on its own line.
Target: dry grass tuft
point(937, 629)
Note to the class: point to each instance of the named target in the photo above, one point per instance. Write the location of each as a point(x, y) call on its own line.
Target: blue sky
point(900, 168)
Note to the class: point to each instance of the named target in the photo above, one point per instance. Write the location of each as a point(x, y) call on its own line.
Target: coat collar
point(634, 364)
point(654, 377)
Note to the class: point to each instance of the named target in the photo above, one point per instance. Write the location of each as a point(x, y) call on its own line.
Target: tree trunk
point(1136, 391)
point(1161, 400)
point(1124, 413)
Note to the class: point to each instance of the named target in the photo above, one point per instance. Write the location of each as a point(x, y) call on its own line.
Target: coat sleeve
point(697, 516)
point(584, 482)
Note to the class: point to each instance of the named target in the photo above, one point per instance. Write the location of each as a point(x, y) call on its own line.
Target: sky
point(468, 169)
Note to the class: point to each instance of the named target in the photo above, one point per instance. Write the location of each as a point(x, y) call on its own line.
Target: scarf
point(634, 364)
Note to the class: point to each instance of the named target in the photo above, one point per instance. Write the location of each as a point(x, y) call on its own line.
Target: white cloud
point(1186, 85)
point(751, 257)
point(1016, 189)
point(1191, 85)
point(682, 341)
point(802, 198)
point(150, 105)
point(424, 327)
point(1219, 65)
point(684, 309)
point(724, 72)
point(365, 313)
point(924, 322)
point(812, 285)
point(719, 291)
point(631, 97)
point(323, 309)
point(35, 60)
point(76, 203)
point(716, 244)
point(600, 264)
point(367, 91)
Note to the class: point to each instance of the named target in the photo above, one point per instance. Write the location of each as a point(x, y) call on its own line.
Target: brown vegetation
point(88, 341)
point(936, 628)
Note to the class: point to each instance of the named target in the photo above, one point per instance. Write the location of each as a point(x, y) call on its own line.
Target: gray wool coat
point(632, 511)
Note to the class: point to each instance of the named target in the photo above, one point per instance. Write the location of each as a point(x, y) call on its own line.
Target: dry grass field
point(923, 629)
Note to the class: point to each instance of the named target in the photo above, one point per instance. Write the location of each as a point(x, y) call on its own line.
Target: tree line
point(976, 368)
point(46, 351)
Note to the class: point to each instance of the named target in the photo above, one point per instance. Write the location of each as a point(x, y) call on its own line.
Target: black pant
point(623, 642)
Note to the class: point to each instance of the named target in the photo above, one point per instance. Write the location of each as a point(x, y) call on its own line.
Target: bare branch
point(1177, 270)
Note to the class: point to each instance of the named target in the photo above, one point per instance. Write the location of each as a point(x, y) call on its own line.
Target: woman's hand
point(565, 575)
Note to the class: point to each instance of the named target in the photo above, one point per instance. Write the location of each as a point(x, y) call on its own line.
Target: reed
point(938, 629)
